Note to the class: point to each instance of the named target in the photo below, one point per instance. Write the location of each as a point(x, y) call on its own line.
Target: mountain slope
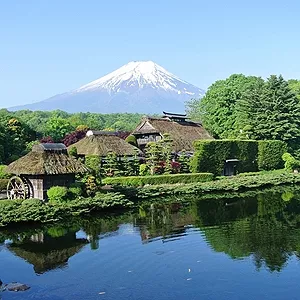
point(143, 87)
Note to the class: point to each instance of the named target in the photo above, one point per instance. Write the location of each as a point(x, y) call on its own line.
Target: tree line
point(21, 129)
point(249, 107)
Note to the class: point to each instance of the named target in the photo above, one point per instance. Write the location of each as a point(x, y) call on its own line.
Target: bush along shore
point(36, 211)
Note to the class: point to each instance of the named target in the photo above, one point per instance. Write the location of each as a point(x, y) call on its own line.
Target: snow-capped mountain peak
point(136, 74)
point(139, 86)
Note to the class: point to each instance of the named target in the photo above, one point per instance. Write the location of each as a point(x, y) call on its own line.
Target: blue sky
point(53, 46)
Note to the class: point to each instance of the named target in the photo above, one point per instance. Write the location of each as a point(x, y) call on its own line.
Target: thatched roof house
point(100, 143)
point(46, 159)
point(183, 131)
point(45, 166)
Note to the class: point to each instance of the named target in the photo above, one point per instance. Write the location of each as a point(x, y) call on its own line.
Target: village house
point(47, 165)
point(101, 143)
point(182, 131)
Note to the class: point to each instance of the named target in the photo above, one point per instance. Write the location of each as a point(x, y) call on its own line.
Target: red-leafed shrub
point(47, 139)
point(74, 137)
point(176, 166)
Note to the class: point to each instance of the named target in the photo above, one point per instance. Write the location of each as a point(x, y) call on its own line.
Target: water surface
point(242, 248)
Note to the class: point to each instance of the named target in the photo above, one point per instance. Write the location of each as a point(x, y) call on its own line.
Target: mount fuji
point(137, 87)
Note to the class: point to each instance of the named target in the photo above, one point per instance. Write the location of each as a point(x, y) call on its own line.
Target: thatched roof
point(183, 133)
point(46, 160)
point(101, 143)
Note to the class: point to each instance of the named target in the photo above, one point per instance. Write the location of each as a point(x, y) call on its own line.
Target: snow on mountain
point(142, 86)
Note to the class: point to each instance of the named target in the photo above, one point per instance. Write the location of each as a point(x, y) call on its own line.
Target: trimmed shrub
point(210, 155)
point(3, 184)
point(159, 179)
point(57, 194)
point(74, 192)
point(270, 155)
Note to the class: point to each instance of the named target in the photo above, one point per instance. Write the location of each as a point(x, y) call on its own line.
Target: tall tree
point(217, 109)
point(271, 111)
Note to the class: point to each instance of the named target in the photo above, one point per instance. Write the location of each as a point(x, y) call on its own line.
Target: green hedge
point(3, 184)
point(270, 155)
point(158, 179)
point(33, 210)
point(210, 155)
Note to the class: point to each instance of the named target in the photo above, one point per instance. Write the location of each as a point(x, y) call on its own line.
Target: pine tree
point(153, 156)
point(112, 166)
point(166, 144)
point(184, 161)
point(271, 111)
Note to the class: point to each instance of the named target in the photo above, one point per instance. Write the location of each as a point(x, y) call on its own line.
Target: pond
point(239, 248)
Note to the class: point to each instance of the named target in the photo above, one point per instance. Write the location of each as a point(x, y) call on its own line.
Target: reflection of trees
point(265, 227)
point(166, 221)
point(95, 227)
point(266, 234)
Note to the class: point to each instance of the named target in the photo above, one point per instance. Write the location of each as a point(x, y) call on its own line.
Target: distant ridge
point(137, 87)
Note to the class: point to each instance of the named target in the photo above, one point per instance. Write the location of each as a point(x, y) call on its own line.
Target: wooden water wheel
point(18, 188)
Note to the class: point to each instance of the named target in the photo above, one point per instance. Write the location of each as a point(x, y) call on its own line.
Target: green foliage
point(294, 85)
point(30, 144)
point(93, 162)
point(57, 127)
point(210, 155)
point(3, 184)
point(73, 151)
point(75, 191)
point(270, 154)
point(32, 210)
point(90, 185)
point(217, 109)
point(14, 137)
point(287, 196)
point(158, 179)
point(159, 156)
point(112, 165)
point(129, 166)
point(131, 139)
point(57, 194)
point(184, 161)
point(3, 173)
point(223, 186)
point(271, 112)
point(290, 162)
point(144, 170)
point(153, 157)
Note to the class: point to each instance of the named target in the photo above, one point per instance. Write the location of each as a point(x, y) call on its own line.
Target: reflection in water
point(265, 228)
point(45, 251)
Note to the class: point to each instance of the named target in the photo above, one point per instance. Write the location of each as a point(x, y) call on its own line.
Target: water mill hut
point(100, 143)
point(182, 131)
point(45, 166)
